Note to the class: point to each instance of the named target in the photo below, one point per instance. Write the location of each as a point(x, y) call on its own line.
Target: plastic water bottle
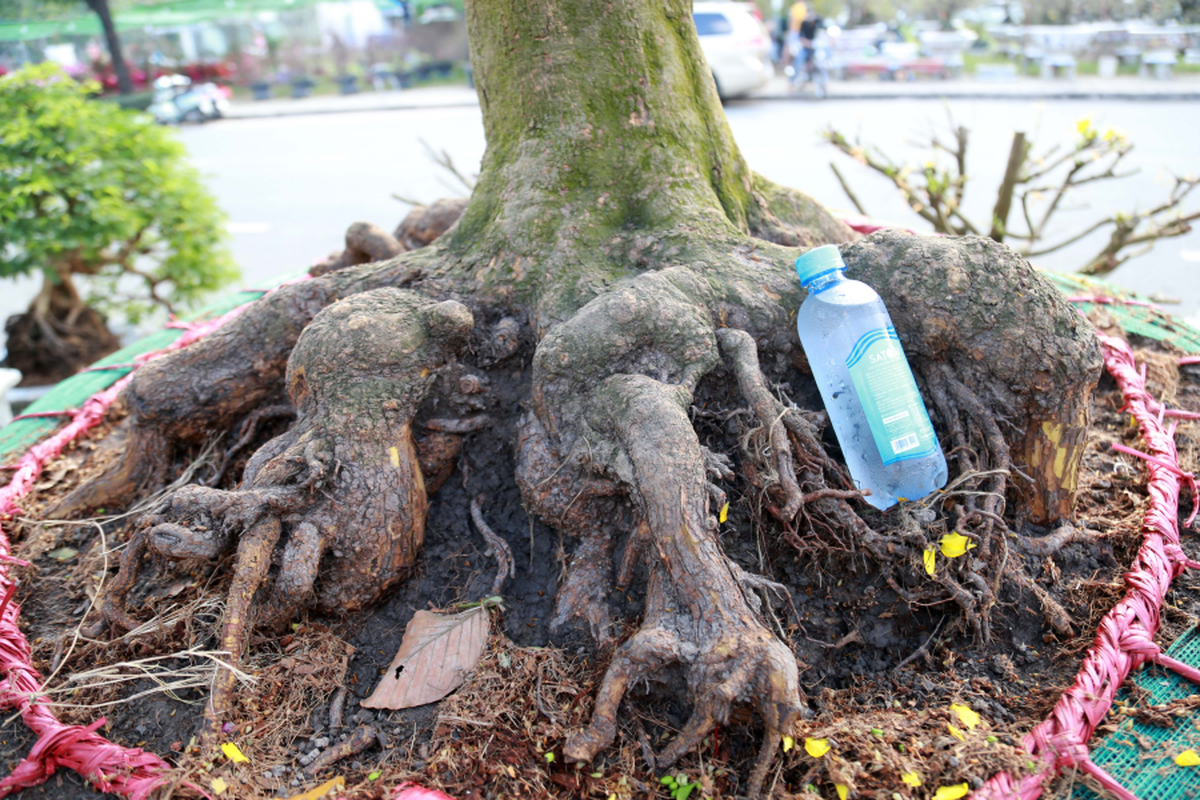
point(866, 383)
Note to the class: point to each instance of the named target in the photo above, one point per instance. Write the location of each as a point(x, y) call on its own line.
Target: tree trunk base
point(56, 340)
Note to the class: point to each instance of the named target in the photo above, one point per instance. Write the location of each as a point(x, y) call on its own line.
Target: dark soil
point(54, 348)
point(876, 669)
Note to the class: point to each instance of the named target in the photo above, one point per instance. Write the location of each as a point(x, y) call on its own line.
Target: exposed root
point(363, 738)
point(496, 547)
point(341, 512)
point(742, 354)
point(1056, 616)
point(696, 613)
point(247, 433)
point(364, 243)
point(1051, 543)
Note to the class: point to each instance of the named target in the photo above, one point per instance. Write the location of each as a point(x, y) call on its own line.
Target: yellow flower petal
point(952, 792)
point(966, 714)
point(955, 545)
point(956, 733)
point(232, 753)
point(930, 560)
point(788, 743)
point(218, 786)
point(325, 788)
point(912, 779)
point(724, 513)
point(1188, 758)
point(843, 790)
point(816, 747)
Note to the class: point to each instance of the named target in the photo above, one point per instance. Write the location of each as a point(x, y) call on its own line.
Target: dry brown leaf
point(437, 652)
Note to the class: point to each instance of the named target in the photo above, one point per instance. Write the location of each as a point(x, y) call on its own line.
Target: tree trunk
point(616, 229)
point(608, 151)
point(102, 10)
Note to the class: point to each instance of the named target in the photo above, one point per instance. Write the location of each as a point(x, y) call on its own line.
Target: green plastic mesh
point(1153, 323)
point(1141, 756)
point(19, 435)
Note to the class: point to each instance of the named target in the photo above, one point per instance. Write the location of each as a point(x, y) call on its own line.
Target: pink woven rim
point(131, 772)
point(1125, 637)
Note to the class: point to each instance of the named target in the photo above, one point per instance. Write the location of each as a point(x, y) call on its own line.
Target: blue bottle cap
point(818, 261)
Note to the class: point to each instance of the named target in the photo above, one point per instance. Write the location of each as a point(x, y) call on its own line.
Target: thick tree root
point(335, 507)
point(739, 348)
point(697, 612)
point(650, 342)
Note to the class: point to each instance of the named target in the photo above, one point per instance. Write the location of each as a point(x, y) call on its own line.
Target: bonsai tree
point(619, 257)
point(94, 191)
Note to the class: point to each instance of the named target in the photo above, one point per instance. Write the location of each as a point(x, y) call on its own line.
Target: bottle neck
point(825, 280)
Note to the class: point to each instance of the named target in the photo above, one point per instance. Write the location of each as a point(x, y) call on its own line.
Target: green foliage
point(91, 189)
point(679, 786)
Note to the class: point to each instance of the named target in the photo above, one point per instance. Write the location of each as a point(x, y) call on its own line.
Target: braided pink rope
point(1125, 638)
point(110, 767)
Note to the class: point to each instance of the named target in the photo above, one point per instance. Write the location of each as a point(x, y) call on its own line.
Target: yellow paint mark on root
point(1060, 461)
point(395, 454)
point(1053, 431)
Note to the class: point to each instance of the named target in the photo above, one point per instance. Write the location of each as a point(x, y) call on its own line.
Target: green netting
point(1152, 323)
point(21, 434)
point(1141, 756)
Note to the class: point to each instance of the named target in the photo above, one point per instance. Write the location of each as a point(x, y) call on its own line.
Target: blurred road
point(292, 184)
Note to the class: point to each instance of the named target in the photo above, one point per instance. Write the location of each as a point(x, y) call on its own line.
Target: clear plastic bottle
point(866, 383)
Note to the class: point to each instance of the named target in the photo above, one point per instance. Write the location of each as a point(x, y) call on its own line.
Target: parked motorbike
point(177, 100)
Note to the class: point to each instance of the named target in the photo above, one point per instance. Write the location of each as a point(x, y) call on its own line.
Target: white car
point(736, 44)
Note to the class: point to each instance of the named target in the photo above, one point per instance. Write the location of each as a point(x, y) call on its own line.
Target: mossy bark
point(608, 153)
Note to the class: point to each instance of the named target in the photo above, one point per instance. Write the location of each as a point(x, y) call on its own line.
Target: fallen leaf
point(952, 792)
point(816, 747)
point(63, 553)
point(724, 513)
point(843, 790)
point(930, 560)
point(328, 786)
point(50, 478)
point(1188, 758)
point(912, 779)
point(966, 714)
point(437, 652)
point(956, 733)
point(788, 743)
point(233, 754)
point(955, 545)
point(176, 588)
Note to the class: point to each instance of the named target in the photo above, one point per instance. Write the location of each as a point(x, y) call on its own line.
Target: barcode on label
point(905, 443)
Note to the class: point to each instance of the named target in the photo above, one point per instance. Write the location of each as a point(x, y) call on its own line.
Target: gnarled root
point(331, 513)
point(697, 612)
point(792, 439)
point(184, 397)
point(365, 243)
point(611, 394)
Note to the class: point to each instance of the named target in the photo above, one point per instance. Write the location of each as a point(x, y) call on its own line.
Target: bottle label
point(889, 397)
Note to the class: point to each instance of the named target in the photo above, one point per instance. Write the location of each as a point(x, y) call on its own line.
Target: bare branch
point(846, 188)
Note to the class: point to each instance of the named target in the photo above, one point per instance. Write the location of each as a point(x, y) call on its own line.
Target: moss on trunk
point(608, 153)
